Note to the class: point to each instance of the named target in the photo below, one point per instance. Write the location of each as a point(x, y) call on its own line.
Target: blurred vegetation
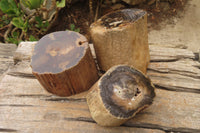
point(27, 19)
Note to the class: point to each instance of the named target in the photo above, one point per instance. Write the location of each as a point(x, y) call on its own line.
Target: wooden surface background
point(26, 107)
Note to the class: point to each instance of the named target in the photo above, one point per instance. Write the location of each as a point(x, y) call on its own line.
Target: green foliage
point(4, 21)
point(72, 28)
point(40, 24)
point(32, 38)
point(25, 25)
point(15, 16)
point(61, 3)
point(14, 38)
point(9, 7)
point(20, 23)
point(32, 4)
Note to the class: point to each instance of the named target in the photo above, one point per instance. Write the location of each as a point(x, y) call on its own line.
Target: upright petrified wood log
point(121, 38)
point(118, 95)
point(63, 63)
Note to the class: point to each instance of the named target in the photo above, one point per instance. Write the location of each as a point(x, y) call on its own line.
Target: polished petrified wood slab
point(121, 37)
point(63, 63)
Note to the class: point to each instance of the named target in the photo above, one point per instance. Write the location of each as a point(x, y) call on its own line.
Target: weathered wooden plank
point(181, 75)
point(24, 51)
point(175, 82)
point(180, 46)
point(23, 99)
point(6, 57)
point(7, 49)
point(160, 53)
point(66, 126)
point(24, 109)
point(186, 67)
point(22, 69)
point(181, 68)
point(157, 52)
point(172, 109)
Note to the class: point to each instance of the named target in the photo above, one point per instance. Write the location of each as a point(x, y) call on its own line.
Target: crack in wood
point(142, 125)
point(21, 75)
point(84, 119)
point(7, 130)
point(165, 60)
point(186, 73)
point(17, 105)
point(31, 95)
point(197, 67)
point(66, 99)
point(49, 98)
point(196, 58)
point(163, 128)
point(178, 89)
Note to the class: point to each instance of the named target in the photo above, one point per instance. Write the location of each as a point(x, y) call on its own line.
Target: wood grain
point(160, 53)
point(63, 63)
point(31, 103)
point(26, 107)
point(24, 51)
point(121, 37)
point(181, 75)
point(119, 95)
point(6, 57)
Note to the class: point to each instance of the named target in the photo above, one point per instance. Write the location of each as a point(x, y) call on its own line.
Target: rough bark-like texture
point(121, 38)
point(63, 63)
point(118, 95)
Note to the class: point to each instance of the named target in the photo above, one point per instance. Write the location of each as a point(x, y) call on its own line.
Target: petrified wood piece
point(63, 63)
point(118, 95)
point(121, 38)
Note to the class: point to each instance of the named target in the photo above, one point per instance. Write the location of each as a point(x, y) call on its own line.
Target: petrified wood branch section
point(119, 95)
point(121, 38)
point(63, 64)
